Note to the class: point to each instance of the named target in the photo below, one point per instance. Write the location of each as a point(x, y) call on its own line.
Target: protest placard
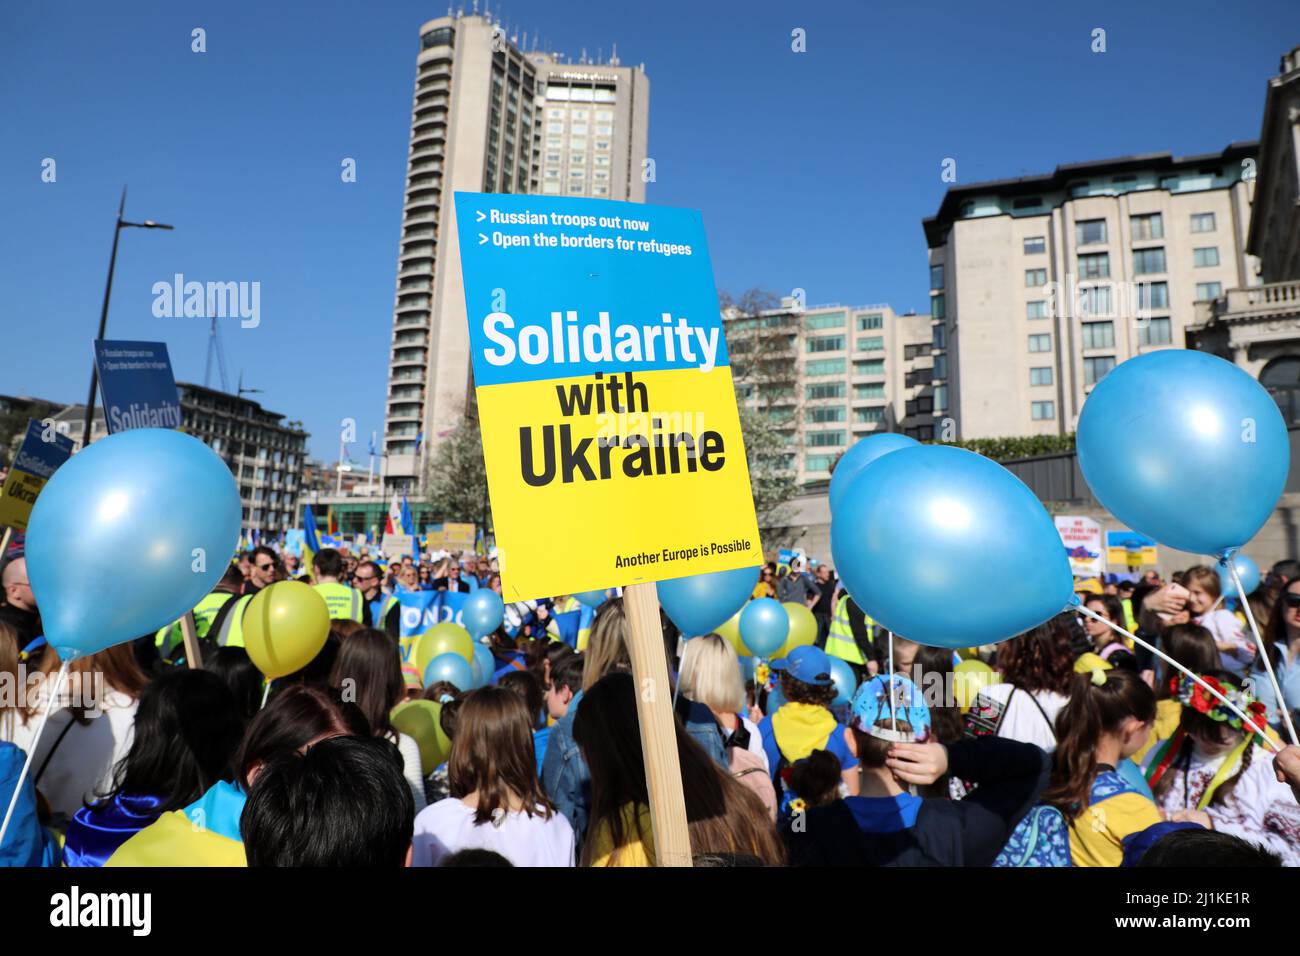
point(43, 450)
point(1081, 538)
point(136, 385)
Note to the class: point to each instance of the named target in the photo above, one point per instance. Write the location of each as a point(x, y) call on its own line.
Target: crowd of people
point(1081, 748)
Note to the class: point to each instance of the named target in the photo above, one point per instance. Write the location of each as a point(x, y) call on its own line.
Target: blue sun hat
point(806, 663)
point(870, 708)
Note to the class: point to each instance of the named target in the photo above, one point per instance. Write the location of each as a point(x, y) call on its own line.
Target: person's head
point(494, 583)
point(823, 574)
point(816, 778)
point(341, 802)
point(710, 674)
point(1203, 588)
point(1190, 645)
point(886, 710)
point(1107, 606)
point(474, 857)
point(409, 577)
point(231, 581)
point(17, 589)
point(1199, 847)
point(1108, 709)
point(367, 579)
point(723, 815)
point(493, 756)
point(294, 719)
point(607, 645)
point(185, 733)
point(117, 664)
point(551, 652)
point(529, 688)
point(453, 571)
point(264, 566)
point(236, 668)
point(1286, 571)
point(563, 684)
point(1284, 620)
point(1211, 726)
point(328, 564)
point(806, 676)
point(368, 669)
point(1124, 589)
point(904, 654)
point(244, 561)
point(440, 692)
point(933, 667)
point(1039, 659)
point(767, 576)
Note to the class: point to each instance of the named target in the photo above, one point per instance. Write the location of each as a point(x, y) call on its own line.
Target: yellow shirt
point(639, 851)
point(1097, 834)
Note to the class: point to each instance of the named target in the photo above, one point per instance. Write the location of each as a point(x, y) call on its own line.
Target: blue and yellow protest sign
point(42, 451)
point(136, 385)
point(604, 394)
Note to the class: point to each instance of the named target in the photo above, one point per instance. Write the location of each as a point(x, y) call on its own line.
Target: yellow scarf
point(802, 728)
point(1227, 770)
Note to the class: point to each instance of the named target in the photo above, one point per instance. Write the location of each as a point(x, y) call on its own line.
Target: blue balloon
point(845, 681)
point(863, 453)
point(764, 626)
point(946, 548)
point(481, 614)
point(484, 666)
point(1247, 570)
point(1132, 775)
point(591, 598)
point(129, 535)
point(452, 668)
point(1186, 448)
point(699, 603)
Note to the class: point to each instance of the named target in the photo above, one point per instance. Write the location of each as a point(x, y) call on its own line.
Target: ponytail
point(1100, 701)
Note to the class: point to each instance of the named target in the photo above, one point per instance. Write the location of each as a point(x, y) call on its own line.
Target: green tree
point(456, 481)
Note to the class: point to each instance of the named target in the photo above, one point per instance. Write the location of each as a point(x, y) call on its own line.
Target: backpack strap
point(1050, 728)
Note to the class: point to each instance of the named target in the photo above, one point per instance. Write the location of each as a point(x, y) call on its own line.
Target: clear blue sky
point(813, 170)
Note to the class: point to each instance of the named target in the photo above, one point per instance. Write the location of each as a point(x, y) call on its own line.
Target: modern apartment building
point(829, 375)
point(1039, 286)
point(488, 117)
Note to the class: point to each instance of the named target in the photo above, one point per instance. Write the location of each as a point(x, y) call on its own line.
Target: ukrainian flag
point(310, 543)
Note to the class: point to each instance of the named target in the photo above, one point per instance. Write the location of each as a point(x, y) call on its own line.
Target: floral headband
point(1193, 695)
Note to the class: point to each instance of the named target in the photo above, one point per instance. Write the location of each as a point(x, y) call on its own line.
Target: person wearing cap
point(887, 824)
point(804, 723)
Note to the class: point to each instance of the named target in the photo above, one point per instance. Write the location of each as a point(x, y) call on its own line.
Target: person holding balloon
point(1204, 593)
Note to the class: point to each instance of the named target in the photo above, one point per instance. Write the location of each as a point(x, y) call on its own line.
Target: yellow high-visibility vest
point(204, 613)
point(839, 640)
point(344, 602)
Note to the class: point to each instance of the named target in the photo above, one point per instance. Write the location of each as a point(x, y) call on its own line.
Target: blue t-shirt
point(540, 737)
point(884, 814)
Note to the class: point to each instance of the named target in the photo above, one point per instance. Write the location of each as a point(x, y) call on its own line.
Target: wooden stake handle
point(191, 636)
point(658, 734)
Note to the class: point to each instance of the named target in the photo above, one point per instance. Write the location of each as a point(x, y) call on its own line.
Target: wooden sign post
point(191, 637)
point(658, 734)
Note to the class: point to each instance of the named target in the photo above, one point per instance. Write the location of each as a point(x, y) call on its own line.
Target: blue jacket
point(700, 723)
point(27, 843)
point(565, 775)
point(1288, 675)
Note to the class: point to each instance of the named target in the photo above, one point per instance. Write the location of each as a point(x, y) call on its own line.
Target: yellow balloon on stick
point(444, 638)
point(285, 627)
point(803, 628)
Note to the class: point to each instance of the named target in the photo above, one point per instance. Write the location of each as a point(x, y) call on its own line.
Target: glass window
point(869, 367)
point(936, 277)
point(1043, 411)
point(1042, 375)
point(1208, 290)
point(1035, 245)
point(1202, 222)
point(825, 439)
point(1154, 332)
point(1094, 300)
point(1094, 369)
point(826, 413)
point(869, 390)
point(824, 320)
point(868, 322)
point(1150, 226)
point(869, 416)
point(1035, 278)
point(818, 462)
point(825, 367)
point(941, 366)
point(1205, 256)
point(1095, 265)
point(937, 307)
point(1153, 295)
point(941, 398)
point(1089, 232)
point(1041, 342)
point(1149, 260)
point(1098, 335)
point(871, 343)
point(939, 337)
point(826, 343)
point(1036, 309)
point(824, 390)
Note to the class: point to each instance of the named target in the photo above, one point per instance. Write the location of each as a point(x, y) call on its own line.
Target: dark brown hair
point(529, 689)
point(816, 778)
point(1094, 709)
point(370, 659)
point(1190, 645)
point(1039, 659)
point(493, 754)
point(801, 692)
point(294, 718)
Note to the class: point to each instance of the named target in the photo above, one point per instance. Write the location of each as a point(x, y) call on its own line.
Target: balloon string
point(1215, 606)
point(1262, 651)
point(31, 752)
point(893, 718)
point(266, 692)
point(1249, 722)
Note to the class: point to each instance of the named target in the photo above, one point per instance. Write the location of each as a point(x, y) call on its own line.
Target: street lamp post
point(103, 314)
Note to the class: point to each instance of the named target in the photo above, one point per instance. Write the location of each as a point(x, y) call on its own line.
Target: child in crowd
point(496, 800)
point(526, 685)
point(1215, 772)
point(1203, 593)
point(1107, 720)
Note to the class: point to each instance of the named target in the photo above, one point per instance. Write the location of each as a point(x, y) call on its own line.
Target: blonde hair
point(607, 646)
point(710, 674)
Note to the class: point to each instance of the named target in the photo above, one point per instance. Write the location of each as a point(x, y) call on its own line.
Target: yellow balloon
point(969, 677)
point(285, 627)
point(444, 638)
point(421, 720)
point(803, 628)
point(731, 631)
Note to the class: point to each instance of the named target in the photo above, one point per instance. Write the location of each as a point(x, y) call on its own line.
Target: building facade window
point(936, 277)
point(1041, 375)
point(1147, 261)
point(1202, 222)
point(1041, 342)
point(818, 462)
point(824, 367)
point(941, 398)
point(1154, 332)
point(827, 413)
point(938, 312)
point(938, 337)
point(826, 343)
point(869, 367)
point(1094, 265)
point(824, 320)
point(869, 390)
point(1089, 232)
point(825, 439)
point(1098, 335)
point(941, 366)
point(868, 322)
point(1205, 256)
point(1094, 369)
point(1208, 290)
point(1094, 300)
point(1153, 295)
point(1043, 411)
point(1035, 245)
point(1150, 226)
point(1035, 278)
point(869, 416)
point(871, 343)
point(1036, 309)
point(824, 390)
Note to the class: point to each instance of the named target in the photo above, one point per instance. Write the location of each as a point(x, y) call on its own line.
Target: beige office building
point(1041, 285)
point(482, 122)
point(829, 375)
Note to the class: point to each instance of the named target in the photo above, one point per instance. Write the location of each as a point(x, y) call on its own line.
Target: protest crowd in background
point(1061, 746)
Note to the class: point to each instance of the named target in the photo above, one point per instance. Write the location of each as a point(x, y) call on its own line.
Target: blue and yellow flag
point(310, 543)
